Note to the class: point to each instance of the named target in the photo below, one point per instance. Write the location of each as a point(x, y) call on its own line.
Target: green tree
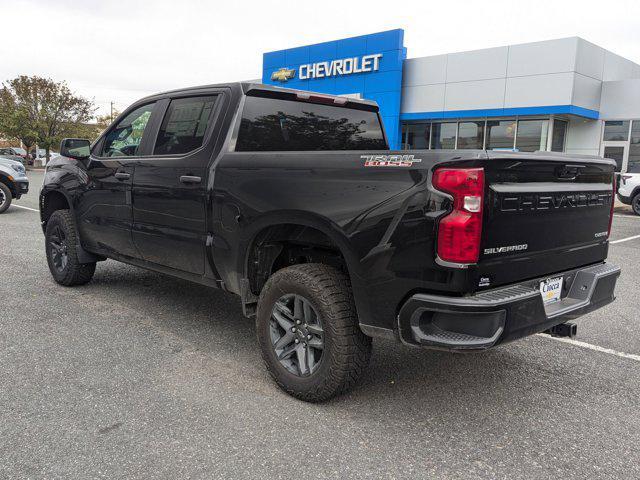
point(15, 121)
point(36, 109)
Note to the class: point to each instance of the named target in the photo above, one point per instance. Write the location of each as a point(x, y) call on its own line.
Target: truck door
point(169, 186)
point(104, 208)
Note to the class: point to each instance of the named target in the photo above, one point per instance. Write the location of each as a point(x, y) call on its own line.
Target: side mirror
point(77, 148)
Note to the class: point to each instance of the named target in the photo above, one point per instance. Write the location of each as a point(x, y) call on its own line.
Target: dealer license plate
point(551, 289)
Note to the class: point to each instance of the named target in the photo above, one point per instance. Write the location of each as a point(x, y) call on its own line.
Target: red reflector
point(460, 231)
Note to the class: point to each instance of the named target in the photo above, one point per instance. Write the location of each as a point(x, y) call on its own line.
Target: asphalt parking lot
point(138, 375)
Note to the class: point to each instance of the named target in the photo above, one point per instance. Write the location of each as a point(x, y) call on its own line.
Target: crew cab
point(292, 201)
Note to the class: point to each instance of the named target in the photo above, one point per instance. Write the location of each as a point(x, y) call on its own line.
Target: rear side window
point(285, 125)
point(184, 125)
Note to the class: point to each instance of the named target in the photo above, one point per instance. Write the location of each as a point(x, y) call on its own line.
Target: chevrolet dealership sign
point(366, 66)
point(343, 66)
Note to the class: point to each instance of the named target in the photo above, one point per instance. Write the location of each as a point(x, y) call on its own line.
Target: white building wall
point(583, 136)
point(620, 100)
point(567, 71)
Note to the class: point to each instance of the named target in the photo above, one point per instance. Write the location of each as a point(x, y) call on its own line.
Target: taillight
point(459, 232)
point(613, 202)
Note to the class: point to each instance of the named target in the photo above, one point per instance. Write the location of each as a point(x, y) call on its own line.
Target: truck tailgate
point(543, 214)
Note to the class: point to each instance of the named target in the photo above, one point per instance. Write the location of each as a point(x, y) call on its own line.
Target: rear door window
point(184, 125)
point(270, 124)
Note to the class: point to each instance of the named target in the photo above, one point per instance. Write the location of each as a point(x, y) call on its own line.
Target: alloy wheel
point(297, 336)
point(3, 198)
point(59, 249)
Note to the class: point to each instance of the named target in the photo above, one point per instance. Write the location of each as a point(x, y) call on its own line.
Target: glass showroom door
point(618, 151)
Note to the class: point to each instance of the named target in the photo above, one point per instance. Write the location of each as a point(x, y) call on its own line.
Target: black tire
point(635, 204)
point(61, 240)
point(346, 350)
point(5, 197)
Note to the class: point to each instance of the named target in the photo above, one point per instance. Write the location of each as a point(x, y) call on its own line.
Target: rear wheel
point(5, 197)
point(308, 332)
point(61, 239)
point(635, 204)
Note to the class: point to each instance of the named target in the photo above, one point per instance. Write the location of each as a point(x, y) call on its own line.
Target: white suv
point(629, 190)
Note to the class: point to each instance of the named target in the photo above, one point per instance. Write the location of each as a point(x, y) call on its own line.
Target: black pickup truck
point(292, 201)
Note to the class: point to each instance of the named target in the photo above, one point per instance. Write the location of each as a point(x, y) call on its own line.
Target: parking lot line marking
point(625, 239)
point(634, 217)
point(596, 348)
point(26, 208)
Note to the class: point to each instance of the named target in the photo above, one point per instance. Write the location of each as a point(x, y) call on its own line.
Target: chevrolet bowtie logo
point(283, 74)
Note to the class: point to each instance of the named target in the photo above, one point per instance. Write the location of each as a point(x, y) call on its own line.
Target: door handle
point(190, 179)
point(123, 176)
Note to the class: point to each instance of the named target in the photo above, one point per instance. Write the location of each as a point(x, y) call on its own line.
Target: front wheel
point(635, 204)
point(5, 197)
point(61, 241)
point(308, 332)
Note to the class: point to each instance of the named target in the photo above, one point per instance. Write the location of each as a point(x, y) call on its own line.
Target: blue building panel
point(321, 51)
point(382, 41)
point(382, 82)
point(351, 47)
point(349, 84)
point(273, 60)
point(390, 100)
point(296, 56)
point(326, 85)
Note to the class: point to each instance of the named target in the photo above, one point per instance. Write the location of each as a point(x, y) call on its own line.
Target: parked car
point(629, 190)
point(292, 201)
point(13, 182)
point(17, 151)
point(41, 155)
point(15, 158)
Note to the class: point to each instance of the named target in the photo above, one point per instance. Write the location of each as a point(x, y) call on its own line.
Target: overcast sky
point(123, 50)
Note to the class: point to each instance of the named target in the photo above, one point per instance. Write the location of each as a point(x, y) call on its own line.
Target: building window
point(528, 135)
point(471, 135)
point(416, 136)
point(559, 135)
point(616, 131)
point(501, 134)
point(633, 165)
point(443, 135)
point(532, 135)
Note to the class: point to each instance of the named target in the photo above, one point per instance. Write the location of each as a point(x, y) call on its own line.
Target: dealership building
point(565, 95)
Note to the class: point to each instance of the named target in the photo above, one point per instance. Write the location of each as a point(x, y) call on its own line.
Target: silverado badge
point(283, 74)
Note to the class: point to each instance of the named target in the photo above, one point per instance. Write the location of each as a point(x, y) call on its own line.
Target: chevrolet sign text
point(344, 66)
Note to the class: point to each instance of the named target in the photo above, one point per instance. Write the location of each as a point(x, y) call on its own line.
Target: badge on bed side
point(389, 160)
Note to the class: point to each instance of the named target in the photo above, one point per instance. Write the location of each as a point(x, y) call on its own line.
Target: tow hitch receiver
point(568, 329)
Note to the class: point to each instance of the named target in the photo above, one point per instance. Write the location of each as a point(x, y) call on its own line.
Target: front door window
point(124, 139)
